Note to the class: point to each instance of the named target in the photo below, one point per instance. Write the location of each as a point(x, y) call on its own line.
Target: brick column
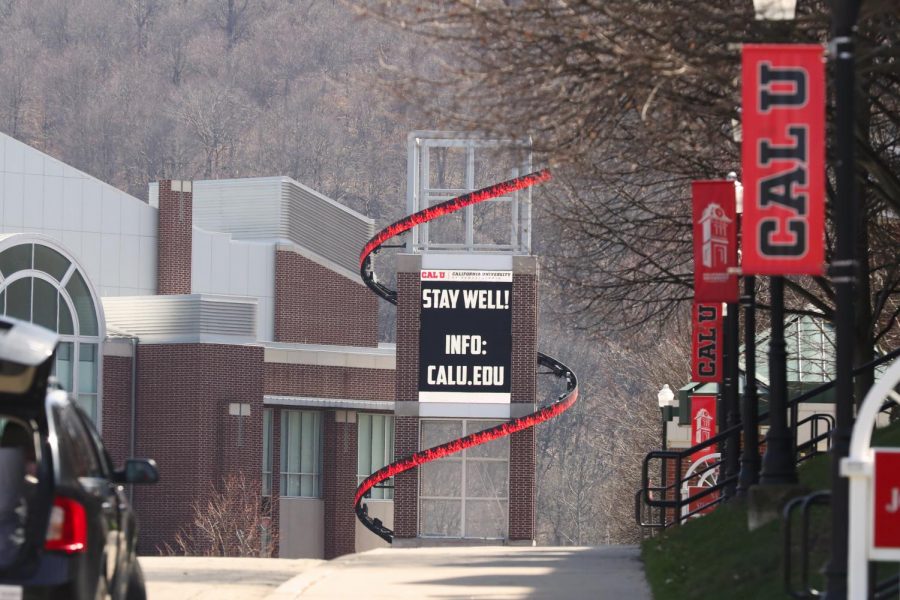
point(173, 273)
point(339, 482)
point(117, 404)
point(276, 481)
point(524, 387)
point(406, 428)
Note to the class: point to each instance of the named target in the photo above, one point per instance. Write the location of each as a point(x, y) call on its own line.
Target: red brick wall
point(339, 483)
point(116, 426)
point(524, 387)
point(329, 382)
point(406, 429)
point(173, 274)
point(314, 305)
point(184, 391)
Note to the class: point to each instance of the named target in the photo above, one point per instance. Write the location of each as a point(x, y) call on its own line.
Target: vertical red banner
point(886, 509)
point(703, 424)
point(715, 241)
point(783, 159)
point(706, 345)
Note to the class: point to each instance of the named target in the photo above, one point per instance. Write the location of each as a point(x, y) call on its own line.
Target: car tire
point(136, 589)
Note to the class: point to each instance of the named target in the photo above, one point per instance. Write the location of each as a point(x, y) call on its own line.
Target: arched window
point(40, 284)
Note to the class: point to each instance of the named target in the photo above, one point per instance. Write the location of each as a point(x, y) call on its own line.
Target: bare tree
point(232, 520)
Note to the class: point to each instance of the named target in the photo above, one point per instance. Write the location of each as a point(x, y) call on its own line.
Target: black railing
point(805, 504)
point(658, 496)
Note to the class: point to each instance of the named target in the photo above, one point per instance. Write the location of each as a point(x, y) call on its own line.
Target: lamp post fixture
point(844, 269)
point(844, 272)
point(778, 467)
point(665, 397)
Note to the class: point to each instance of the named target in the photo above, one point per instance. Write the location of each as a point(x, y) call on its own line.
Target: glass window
point(77, 454)
point(84, 305)
point(267, 453)
point(375, 449)
point(465, 494)
point(50, 262)
point(15, 259)
point(18, 299)
point(64, 364)
point(300, 451)
point(43, 301)
point(44, 309)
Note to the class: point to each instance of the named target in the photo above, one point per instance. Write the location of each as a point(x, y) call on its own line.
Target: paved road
point(499, 573)
point(196, 578)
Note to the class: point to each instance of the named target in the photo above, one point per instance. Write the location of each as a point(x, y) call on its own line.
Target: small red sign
point(715, 241)
point(703, 423)
point(783, 159)
point(706, 353)
point(887, 499)
point(701, 502)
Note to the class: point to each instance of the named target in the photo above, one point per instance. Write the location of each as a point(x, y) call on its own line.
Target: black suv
point(67, 530)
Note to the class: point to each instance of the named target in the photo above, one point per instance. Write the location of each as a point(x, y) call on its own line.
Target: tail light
point(67, 530)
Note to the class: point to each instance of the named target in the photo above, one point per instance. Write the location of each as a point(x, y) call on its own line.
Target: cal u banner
point(706, 346)
point(465, 336)
point(783, 159)
point(715, 241)
point(703, 425)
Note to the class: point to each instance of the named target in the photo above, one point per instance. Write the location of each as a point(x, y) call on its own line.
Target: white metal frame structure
point(859, 468)
point(707, 479)
point(420, 194)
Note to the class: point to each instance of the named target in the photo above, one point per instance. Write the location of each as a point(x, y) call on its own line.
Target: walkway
point(198, 578)
point(499, 573)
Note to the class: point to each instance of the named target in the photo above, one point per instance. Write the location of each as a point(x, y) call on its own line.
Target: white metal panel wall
point(176, 318)
point(112, 234)
point(221, 265)
point(279, 208)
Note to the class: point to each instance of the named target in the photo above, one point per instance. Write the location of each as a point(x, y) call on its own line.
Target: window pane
point(436, 432)
point(307, 443)
point(50, 262)
point(45, 299)
point(486, 519)
point(88, 403)
point(84, 305)
point(486, 479)
point(267, 453)
point(364, 444)
point(293, 459)
point(441, 518)
point(441, 478)
point(18, 299)
point(87, 368)
point(498, 448)
point(64, 365)
point(15, 259)
point(66, 327)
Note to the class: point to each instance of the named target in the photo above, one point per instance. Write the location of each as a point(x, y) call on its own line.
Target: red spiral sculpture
point(560, 405)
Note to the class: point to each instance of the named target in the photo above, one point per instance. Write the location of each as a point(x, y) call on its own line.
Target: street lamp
point(666, 400)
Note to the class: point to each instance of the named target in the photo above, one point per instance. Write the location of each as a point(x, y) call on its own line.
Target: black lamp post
point(844, 271)
point(667, 403)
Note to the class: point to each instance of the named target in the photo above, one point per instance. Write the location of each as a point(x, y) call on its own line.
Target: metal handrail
point(805, 503)
point(680, 455)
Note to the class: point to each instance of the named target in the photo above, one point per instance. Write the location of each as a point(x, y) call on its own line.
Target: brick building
point(222, 329)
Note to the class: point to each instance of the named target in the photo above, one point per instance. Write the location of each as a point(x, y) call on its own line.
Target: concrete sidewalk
point(199, 578)
point(496, 572)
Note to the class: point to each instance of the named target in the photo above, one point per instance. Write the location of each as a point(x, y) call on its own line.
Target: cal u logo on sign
point(707, 347)
point(783, 159)
point(783, 232)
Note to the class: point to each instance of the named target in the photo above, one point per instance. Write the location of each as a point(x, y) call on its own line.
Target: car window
point(97, 442)
point(77, 455)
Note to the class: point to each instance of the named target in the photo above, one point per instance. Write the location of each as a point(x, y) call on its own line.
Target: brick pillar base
point(521, 485)
point(339, 482)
